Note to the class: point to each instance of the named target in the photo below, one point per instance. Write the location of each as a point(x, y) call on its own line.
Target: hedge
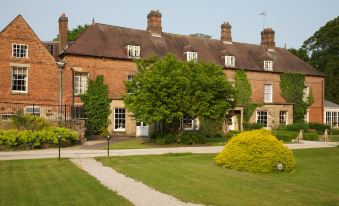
point(36, 139)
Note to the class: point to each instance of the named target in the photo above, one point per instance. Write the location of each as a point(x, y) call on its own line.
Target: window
point(80, 83)
point(268, 65)
point(8, 116)
point(268, 93)
point(262, 118)
point(188, 123)
point(192, 56)
point(283, 117)
point(78, 112)
point(307, 116)
point(133, 51)
point(19, 50)
point(332, 118)
point(306, 93)
point(34, 110)
point(130, 77)
point(19, 79)
point(230, 61)
point(119, 119)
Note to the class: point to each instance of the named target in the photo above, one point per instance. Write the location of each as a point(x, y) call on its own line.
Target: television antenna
point(263, 14)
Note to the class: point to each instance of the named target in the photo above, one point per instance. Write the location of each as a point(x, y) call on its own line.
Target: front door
point(142, 129)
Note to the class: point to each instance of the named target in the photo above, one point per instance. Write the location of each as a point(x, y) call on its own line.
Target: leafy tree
point(301, 53)
point(167, 90)
point(96, 106)
point(206, 36)
point(75, 32)
point(323, 47)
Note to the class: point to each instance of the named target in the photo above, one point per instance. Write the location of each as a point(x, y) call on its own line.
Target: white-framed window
point(188, 123)
point(283, 117)
point(332, 118)
point(34, 110)
point(133, 51)
point(130, 77)
point(192, 56)
point(307, 116)
point(19, 79)
point(306, 93)
point(262, 118)
point(80, 82)
point(268, 65)
point(119, 119)
point(230, 61)
point(268, 93)
point(7, 116)
point(19, 50)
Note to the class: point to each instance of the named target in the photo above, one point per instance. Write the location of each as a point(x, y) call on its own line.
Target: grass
point(334, 138)
point(142, 144)
point(51, 182)
point(195, 178)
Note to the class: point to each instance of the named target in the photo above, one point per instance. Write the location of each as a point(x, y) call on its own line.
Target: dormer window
point(230, 61)
point(192, 56)
point(19, 50)
point(133, 51)
point(268, 65)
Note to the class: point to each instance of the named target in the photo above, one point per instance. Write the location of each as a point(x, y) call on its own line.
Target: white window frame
point(283, 116)
point(130, 77)
point(116, 127)
point(307, 116)
point(192, 56)
point(25, 79)
point(230, 61)
point(332, 117)
point(258, 113)
point(268, 65)
point(188, 121)
point(133, 51)
point(268, 93)
point(81, 88)
point(306, 93)
point(19, 45)
point(38, 113)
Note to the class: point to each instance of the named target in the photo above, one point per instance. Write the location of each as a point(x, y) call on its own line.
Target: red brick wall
point(115, 73)
point(258, 79)
point(42, 70)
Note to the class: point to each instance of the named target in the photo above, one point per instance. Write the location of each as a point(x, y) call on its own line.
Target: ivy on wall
point(243, 93)
point(292, 90)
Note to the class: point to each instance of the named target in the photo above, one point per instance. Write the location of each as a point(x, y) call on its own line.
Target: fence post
point(65, 113)
point(33, 110)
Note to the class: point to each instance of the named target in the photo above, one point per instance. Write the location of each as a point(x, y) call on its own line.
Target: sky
point(292, 20)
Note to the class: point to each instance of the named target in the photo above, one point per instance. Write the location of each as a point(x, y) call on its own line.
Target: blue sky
point(293, 20)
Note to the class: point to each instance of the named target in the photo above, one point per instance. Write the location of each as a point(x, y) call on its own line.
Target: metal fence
point(65, 114)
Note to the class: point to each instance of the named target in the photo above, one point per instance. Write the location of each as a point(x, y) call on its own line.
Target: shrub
point(192, 138)
point(311, 136)
point(212, 127)
point(164, 138)
point(252, 126)
point(29, 122)
point(231, 134)
point(285, 135)
point(335, 131)
point(319, 127)
point(255, 151)
point(296, 127)
point(35, 139)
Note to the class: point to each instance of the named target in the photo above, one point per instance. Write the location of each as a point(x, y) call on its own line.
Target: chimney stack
point(226, 34)
point(63, 32)
point(267, 38)
point(154, 23)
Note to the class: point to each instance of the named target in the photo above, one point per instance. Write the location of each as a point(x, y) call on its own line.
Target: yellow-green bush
point(255, 151)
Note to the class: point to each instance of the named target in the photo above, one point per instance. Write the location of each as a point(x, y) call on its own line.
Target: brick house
point(28, 72)
point(109, 50)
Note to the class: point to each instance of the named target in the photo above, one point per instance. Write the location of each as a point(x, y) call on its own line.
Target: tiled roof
point(329, 104)
point(108, 41)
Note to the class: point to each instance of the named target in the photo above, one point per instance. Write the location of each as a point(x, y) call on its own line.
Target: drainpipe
point(61, 66)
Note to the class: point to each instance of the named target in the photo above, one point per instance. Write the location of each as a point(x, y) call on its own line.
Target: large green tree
point(323, 51)
point(167, 90)
point(75, 32)
point(97, 106)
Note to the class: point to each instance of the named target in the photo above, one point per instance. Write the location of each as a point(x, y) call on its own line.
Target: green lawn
point(141, 144)
point(51, 182)
point(195, 178)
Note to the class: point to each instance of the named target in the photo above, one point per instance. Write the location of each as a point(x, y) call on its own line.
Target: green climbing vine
point(243, 93)
point(292, 90)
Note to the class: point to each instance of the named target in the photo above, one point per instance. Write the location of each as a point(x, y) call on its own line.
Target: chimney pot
point(226, 34)
point(267, 38)
point(154, 22)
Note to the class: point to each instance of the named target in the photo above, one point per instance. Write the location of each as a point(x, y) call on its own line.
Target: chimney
point(63, 32)
point(226, 35)
point(154, 23)
point(267, 38)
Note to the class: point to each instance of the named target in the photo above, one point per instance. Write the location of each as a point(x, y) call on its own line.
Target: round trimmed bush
point(256, 151)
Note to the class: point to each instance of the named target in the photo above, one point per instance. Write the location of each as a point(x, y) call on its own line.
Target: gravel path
point(136, 192)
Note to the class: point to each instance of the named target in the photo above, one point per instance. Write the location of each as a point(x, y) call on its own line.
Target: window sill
point(19, 93)
point(119, 130)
